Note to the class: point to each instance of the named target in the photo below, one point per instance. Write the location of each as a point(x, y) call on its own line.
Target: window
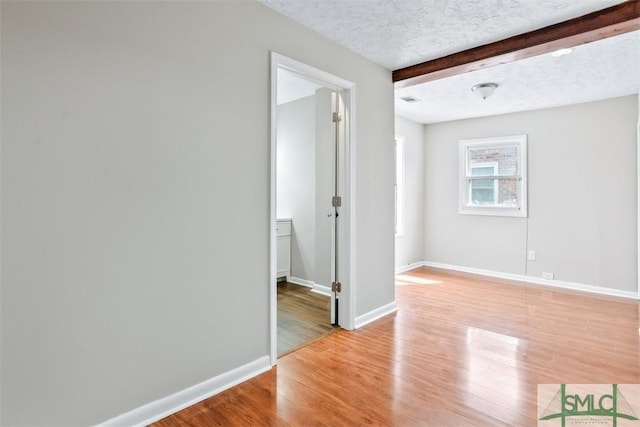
point(399, 186)
point(493, 176)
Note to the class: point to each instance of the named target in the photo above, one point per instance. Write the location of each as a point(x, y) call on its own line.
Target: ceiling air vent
point(410, 99)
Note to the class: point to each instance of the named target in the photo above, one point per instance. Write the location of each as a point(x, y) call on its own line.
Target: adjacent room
point(535, 181)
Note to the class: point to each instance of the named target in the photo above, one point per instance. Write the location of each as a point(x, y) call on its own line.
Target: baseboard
point(316, 288)
point(375, 314)
point(161, 408)
point(538, 281)
point(405, 268)
point(301, 282)
point(321, 289)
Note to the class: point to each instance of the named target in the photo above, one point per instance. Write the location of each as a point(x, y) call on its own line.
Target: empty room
point(319, 212)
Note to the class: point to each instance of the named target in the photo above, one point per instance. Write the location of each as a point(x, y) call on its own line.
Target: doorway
point(306, 226)
point(311, 200)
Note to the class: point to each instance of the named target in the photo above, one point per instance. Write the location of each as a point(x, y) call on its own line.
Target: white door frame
point(346, 229)
point(638, 199)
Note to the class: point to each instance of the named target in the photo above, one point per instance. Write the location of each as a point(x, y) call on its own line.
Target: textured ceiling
point(399, 33)
point(604, 69)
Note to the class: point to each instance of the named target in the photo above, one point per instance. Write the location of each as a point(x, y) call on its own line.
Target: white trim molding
point(161, 408)
point(399, 185)
point(376, 314)
point(302, 282)
point(321, 289)
point(638, 198)
point(408, 267)
point(316, 288)
point(538, 281)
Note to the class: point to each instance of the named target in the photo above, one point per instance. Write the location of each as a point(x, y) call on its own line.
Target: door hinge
point(336, 287)
point(337, 117)
point(336, 201)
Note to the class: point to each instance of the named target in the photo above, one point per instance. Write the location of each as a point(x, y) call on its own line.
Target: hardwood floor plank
point(461, 351)
point(303, 317)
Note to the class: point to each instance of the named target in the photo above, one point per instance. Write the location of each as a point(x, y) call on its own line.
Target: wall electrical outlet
point(549, 276)
point(531, 256)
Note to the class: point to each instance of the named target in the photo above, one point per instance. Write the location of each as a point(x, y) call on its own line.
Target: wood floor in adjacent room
point(303, 316)
point(462, 350)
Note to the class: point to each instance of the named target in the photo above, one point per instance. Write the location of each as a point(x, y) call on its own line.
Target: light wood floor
point(303, 316)
point(461, 351)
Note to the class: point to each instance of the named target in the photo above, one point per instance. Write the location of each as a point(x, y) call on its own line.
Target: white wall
point(296, 180)
point(410, 245)
point(582, 196)
point(135, 197)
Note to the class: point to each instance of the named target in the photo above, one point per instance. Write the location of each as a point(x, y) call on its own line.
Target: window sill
point(506, 212)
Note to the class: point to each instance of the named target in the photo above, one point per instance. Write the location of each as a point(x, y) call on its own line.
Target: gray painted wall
point(135, 197)
point(582, 196)
point(410, 246)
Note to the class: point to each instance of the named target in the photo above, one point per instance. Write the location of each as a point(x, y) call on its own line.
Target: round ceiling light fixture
point(484, 90)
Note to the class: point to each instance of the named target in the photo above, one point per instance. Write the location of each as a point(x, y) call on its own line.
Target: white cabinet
point(283, 233)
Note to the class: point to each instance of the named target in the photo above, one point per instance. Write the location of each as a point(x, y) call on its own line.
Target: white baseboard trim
point(538, 281)
point(321, 289)
point(161, 408)
point(375, 314)
point(301, 282)
point(405, 268)
point(316, 288)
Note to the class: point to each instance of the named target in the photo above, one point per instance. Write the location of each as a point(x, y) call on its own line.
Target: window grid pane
point(504, 158)
point(499, 192)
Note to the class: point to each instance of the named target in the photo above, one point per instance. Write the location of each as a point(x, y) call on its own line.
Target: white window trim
point(399, 149)
point(463, 188)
